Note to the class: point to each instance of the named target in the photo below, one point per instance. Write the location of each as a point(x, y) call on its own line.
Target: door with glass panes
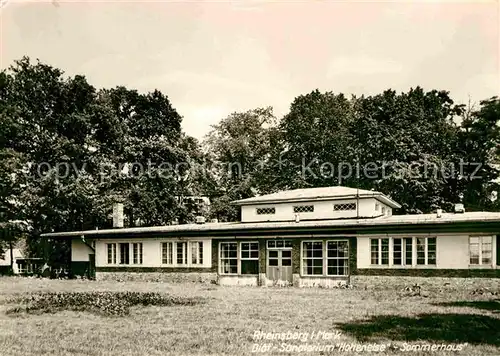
point(279, 260)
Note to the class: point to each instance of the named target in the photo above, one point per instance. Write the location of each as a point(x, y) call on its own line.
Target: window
point(408, 251)
point(345, 206)
point(279, 244)
point(124, 254)
point(21, 267)
point(338, 258)
point(325, 258)
point(137, 253)
point(303, 209)
point(402, 251)
point(167, 249)
point(249, 258)
point(266, 211)
point(397, 252)
point(383, 210)
point(426, 250)
point(480, 250)
point(379, 249)
point(377, 206)
point(111, 253)
point(431, 251)
point(175, 253)
point(242, 258)
point(197, 252)
point(312, 257)
point(228, 258)
point(181, 253)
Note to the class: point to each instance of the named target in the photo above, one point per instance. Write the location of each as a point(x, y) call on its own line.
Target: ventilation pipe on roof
point(439, 212)
point(297, 218)
point(118, 215)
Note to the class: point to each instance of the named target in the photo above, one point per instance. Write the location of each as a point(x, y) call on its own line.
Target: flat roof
point(401, 220)
point(317, 194)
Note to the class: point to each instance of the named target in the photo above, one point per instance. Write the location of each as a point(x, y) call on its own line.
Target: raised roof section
point(317, 194)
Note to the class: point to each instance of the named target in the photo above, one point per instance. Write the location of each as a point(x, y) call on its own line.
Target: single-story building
point(5, 260)
point(22, 265)
point(304, 237)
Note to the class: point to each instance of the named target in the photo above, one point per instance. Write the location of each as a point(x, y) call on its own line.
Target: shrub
point(103, 303)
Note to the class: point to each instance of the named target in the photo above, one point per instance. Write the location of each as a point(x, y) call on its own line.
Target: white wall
point(152, 252)
point(240, 280)
point(322, 210)
point(452, 251)
point(80, 251)
point(6, 260)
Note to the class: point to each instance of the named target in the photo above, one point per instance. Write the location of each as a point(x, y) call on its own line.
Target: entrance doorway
point(279, 261)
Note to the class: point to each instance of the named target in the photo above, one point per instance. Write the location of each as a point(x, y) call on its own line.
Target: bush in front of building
point(102, 303)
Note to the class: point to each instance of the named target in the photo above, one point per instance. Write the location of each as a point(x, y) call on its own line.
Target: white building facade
point(307, 237)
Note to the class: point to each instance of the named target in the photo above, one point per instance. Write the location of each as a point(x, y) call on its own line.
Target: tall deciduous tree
point(75, 151)
point(479, 145)
point(240, 147)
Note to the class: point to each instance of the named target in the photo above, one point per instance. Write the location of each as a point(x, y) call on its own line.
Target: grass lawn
point(225, 323)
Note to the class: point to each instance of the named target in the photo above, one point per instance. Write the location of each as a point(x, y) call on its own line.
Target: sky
point(215, 58)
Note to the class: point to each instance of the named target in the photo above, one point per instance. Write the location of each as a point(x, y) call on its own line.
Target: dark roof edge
point(493, 225)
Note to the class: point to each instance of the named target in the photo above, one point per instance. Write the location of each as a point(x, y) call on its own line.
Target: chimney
point(439, 212)
point(118, 215)
point(459, 209)
point(297, 218)
point(200, 219)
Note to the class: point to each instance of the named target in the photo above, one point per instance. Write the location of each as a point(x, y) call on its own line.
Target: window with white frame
point(312, 258)
point(181, 253)
point(325, 258)
point(111, 248)
point(137, 253)
point(480, 250)
point(426, 250)
point(279, 244)
point(303, 209)
point(228, 261)
point(337, 258)
point(402, 251)
point(249, 257)
point(124, 253)
point(379, 249)
point(344, 206)
point(167, 253)
point(265, 211)
point(196, 252)
point(21, 268)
